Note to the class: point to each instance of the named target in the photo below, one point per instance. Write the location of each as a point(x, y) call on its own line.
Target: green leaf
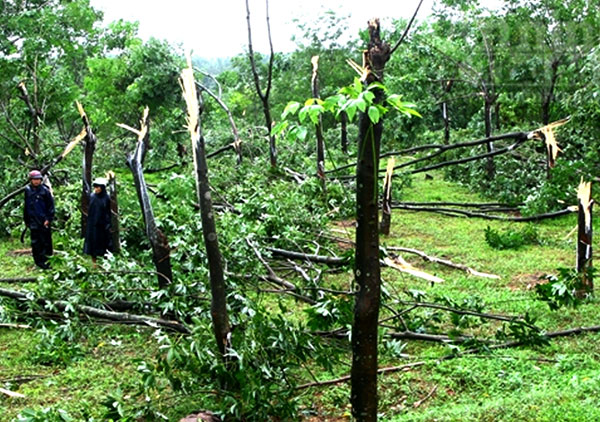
point(374, 114)
point(358, 85)
point(291, 108)
point(350, 111)
point(280, 127)
point(359, 103)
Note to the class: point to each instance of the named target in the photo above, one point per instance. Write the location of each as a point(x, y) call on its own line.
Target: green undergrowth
point(98, 373)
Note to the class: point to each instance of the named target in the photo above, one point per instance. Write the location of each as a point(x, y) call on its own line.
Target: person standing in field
point(38, 213)
point(98, 239)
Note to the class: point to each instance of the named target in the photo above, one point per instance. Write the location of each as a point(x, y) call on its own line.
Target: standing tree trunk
point(447, 87)
point(36, 115)
point(364, 397)
point(88, 157)
point(584, 236)
point(386, 204)
point(221, 327)
point(319, 125)
point(114, 212)
point(548, 96)
point(264, 97)
point(344, 130)
point(490, 166)
point(161, 252)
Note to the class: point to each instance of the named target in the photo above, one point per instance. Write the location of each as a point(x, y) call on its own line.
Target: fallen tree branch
point(6, 325)
point(62, 305)
point(444, 262)
point(329, 260)
point(441, 148)
point(427, 397)
point(346, 378)
point(18, 279)
point(451, 211)
point(12, 393)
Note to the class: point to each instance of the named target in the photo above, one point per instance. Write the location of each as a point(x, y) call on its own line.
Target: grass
point(559, 381)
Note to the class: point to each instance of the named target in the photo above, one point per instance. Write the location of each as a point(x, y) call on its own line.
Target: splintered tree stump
point(584, 236)
point(160, 246)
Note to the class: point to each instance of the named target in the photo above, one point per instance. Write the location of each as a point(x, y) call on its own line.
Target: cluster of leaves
point(349, 100)
point(565, 289)
point(511, 239)
point(47, 414)
point(257, 379)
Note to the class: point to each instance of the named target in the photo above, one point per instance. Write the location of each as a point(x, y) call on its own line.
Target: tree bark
point(490, 166)
point(88, 156)
point(386, 203)
point(220, 319)
point(160, 245)
point(364, 397)
point(264, 97)
point(114, 212)
point(319, 125)
point(36, 116)
point(584, 236)
point(344, 131)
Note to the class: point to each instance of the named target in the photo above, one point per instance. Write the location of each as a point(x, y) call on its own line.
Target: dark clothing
point(98, 238)
point(39, 208)
point(41, 246)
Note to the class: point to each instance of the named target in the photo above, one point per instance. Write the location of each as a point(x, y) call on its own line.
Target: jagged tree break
point(367, 272)
point(218, 308)
point(584, 235)
point(88, 157)
point(161, 251)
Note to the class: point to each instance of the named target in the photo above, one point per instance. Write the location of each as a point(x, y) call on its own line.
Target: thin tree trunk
point(160, 246)
point(344, 130)
point(490, 166)
point(88, 156)
point(220, 319)
point(364, 396)
point(264, 97)
point(584, 235)
point(319, 125)
point(547, 97)
point(114, 212)
point(36, 117)
point(386, 203)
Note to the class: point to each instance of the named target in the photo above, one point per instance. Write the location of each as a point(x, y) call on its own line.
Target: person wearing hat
point(98, 238)
point(38, 213)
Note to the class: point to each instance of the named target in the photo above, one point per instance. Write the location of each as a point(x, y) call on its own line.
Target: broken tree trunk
point(218, 310)
point(160, 245)
point(62, 306)
point(386, 204)
point(584, 236)
point(363, 396)
point(319, 125)
point(88, 157)
point(114, 212)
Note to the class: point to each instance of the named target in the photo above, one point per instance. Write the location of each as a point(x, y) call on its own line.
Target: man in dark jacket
point(38, 213)
point(98, 238)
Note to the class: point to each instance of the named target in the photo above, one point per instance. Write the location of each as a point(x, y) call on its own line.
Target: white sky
point(217, 28)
